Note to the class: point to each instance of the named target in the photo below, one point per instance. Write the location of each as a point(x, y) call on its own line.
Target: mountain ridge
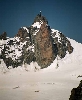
point(38, 43)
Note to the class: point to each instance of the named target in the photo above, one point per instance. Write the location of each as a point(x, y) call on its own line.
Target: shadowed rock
point(76, 93)
point(3, 36)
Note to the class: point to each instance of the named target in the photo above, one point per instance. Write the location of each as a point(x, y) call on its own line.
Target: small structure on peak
point(40, 13)
point(40, 17)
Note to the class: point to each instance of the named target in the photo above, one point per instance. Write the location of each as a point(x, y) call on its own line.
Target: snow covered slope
point(70, 61)
point(52, 83)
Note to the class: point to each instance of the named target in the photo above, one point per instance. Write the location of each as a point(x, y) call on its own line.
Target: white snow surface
point(37, 24)
point(25, 28)
point(29, 82)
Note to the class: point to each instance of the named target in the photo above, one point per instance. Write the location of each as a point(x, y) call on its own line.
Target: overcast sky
point(62, 15)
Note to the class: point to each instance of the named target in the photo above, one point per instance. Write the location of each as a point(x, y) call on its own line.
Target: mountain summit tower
point(40, 13)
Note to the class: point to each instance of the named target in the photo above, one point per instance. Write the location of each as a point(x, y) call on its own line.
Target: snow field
point(29, 82)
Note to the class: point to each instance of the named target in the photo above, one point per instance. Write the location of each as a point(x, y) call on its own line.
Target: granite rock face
point(61, 43)
point(38, 43)
point(76, 93)
point(44, 47)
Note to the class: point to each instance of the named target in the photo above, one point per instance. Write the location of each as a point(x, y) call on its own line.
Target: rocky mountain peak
point(40, 18)
point(3, 36)
point(38, 43)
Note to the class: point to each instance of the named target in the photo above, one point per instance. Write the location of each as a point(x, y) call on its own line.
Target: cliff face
point(61, 44)
point(38, 43)
point(76, 93)
point(43, 47)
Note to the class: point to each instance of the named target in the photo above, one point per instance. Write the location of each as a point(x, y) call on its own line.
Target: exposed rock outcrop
point(23, 34)
point(76, 93)
point(61, 43)
point(39, 18)
point(3, 36)
point(43, 47)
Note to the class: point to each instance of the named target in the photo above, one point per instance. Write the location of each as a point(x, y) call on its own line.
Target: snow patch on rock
point(57, 34)
point(37, 24)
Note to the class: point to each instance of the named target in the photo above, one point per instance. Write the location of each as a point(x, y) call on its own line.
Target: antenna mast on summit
point(40, 13)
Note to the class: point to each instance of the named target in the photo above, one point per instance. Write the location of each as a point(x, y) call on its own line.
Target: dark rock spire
point(40, 17)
